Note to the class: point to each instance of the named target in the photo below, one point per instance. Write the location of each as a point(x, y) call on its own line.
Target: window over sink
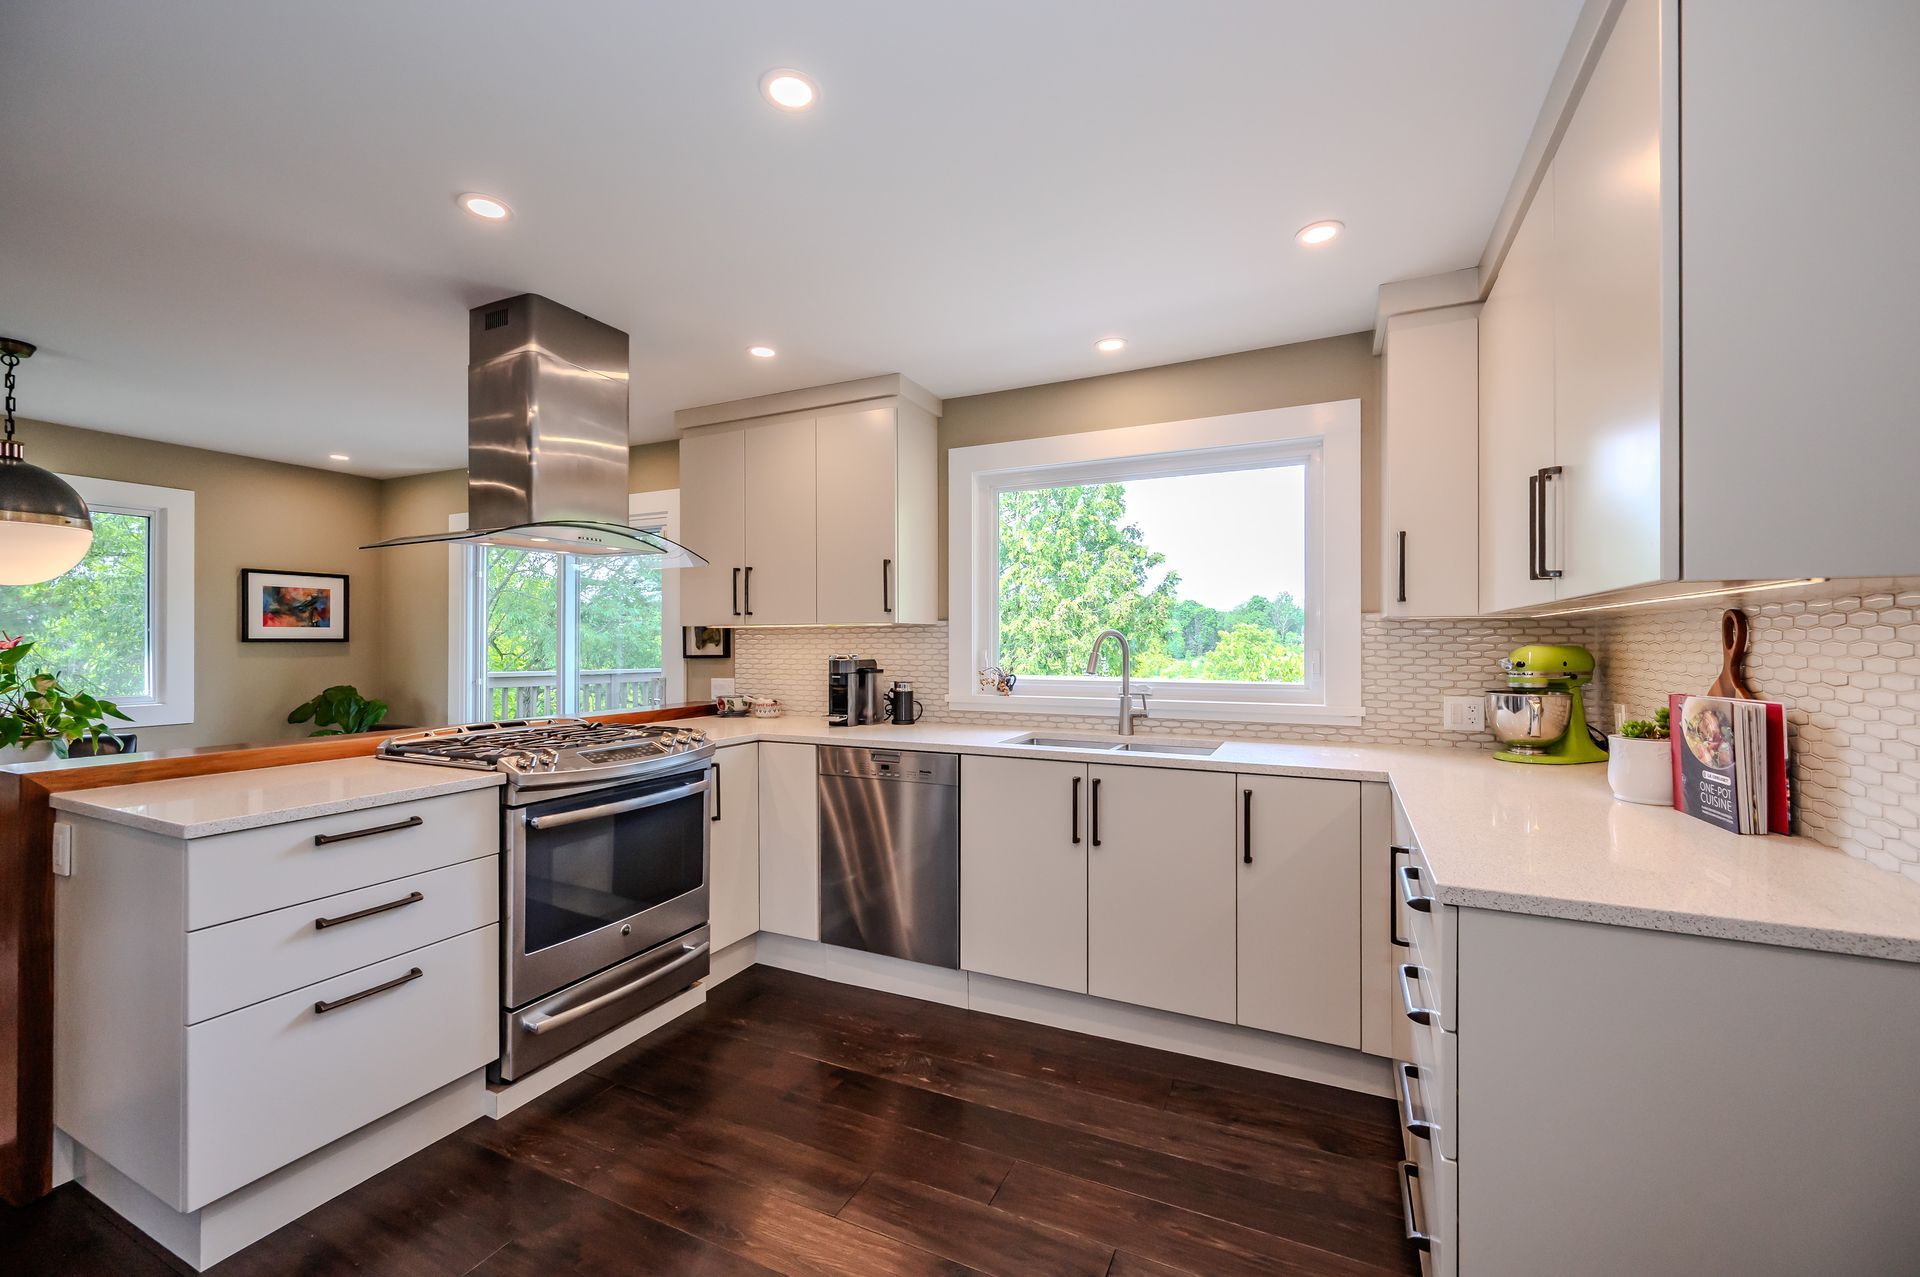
point(1225, 549)
point(119, 624)
point(541, 634)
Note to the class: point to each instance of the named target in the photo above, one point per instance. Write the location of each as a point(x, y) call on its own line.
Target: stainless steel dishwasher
point(890, 853)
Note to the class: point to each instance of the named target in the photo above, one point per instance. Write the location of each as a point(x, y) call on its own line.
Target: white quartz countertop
point(225, 802)
point(1542, 840)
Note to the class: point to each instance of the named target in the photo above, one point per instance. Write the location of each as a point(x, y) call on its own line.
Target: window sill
point(1161, 707)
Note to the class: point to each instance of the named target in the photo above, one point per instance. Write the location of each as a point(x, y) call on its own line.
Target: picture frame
point(705, 642)
point(282, 606)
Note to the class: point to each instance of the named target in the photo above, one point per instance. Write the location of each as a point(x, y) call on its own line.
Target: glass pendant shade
point(45, 527)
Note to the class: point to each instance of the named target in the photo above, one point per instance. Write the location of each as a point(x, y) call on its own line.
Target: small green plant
point(1641, 729)
point(340, 710)
point(35, 707)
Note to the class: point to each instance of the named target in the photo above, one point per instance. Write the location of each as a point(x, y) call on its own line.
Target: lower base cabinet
point(1299, 907)
point(1023, 870)
point(790, 840)
point(733, 854)
point(1160, 890)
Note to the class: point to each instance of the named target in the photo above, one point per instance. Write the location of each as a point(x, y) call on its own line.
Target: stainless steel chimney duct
point(547, 435)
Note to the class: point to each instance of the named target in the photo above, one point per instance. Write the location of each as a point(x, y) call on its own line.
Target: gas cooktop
point(555, 751)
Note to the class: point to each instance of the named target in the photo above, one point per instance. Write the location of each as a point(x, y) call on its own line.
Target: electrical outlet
point(62, 849)
point(723, 687)
point(1464, 714)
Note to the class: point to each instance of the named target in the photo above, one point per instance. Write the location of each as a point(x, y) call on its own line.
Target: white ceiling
point(233, 224)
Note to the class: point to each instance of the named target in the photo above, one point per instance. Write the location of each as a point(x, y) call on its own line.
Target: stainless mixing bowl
point(1526, 722)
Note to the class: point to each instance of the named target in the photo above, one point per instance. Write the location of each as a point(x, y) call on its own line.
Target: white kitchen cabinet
point(1607, 502)
point(1299, 907)
point(1160, 889)
point(810, 510)
point(1430, 482)
point(1516, 411)
point(733, 855)
point(713, 523)
point(790, 840)
point(1796, 233)
point(1023, 870)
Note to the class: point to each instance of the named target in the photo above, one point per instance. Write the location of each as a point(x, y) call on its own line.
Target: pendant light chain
point(12, 361)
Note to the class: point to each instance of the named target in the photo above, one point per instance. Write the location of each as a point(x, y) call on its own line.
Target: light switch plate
point(62, 849)
point(722, 687)
point(1464, 714)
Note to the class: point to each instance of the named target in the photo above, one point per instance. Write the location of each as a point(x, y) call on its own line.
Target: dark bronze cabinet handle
point(715, 769)
point(1393, 898)
point(736, 591)
point(1076, 811)
point(1533, 527)
point(886, 585)
point(1096, 812)
point(352, 998)
point(1545, 478)
point(1246, 826)
point(321, 840)
point(1409, 1172)
point(411, 898)
point(1403, 569)
point(749, 598)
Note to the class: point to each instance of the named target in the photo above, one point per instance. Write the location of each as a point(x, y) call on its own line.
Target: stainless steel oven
point(606, 908)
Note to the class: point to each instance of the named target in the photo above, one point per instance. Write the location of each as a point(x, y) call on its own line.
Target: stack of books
point(1730, 762)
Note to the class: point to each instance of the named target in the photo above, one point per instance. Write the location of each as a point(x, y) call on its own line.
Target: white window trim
point(1327, 434)
point(169, 512)
point(467, 678)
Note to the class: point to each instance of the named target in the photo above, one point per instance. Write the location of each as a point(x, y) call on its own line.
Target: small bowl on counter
point(764, 706)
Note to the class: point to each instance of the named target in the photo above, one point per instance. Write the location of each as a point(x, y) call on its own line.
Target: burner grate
point(544, 745)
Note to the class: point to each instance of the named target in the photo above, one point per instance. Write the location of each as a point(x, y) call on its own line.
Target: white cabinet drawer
point(235, 875)
point(1436, 1056)
point(1436, 1206)
point(275, 1081)
point(239, 963)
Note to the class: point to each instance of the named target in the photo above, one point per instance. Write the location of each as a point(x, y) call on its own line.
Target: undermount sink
point(1188, 749)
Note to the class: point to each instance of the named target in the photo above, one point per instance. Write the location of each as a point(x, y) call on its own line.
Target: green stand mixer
point(1540, 716)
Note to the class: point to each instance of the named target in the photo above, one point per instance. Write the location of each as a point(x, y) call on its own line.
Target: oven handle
point(540, 1022)
point(674, 795)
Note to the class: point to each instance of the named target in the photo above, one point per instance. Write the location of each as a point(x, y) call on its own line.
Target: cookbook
point(1730, 762)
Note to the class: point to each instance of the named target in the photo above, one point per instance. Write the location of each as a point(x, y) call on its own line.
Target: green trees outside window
point(90, 624)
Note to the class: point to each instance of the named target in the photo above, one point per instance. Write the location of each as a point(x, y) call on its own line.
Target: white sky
point(1229, 536)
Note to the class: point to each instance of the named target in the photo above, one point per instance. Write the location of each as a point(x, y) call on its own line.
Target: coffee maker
point(853, 691)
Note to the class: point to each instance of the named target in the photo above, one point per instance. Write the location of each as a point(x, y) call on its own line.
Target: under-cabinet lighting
point(1759, 587)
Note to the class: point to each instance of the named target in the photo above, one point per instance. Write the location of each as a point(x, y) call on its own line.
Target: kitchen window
point(1225, 549)
point(119, 624)
point(542, 633)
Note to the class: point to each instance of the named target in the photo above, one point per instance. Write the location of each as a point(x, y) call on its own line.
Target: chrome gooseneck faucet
point(1127, 712)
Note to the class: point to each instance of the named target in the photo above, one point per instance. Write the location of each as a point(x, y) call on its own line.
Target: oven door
point(596, 878)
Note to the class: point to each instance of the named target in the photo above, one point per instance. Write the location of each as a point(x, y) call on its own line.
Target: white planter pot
point(1640, 771)
point(39, 751)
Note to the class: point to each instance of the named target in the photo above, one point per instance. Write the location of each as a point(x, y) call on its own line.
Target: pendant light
point(44, 525)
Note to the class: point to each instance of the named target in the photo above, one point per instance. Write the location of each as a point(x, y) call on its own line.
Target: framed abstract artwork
point(292, 607)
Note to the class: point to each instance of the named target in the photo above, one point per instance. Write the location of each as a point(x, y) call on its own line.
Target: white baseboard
point(205, 1237)
point(1227, 1043)
point(732, 960)
point(504, 1098)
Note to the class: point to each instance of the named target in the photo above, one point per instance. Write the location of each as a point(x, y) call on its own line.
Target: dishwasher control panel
point(890, 764)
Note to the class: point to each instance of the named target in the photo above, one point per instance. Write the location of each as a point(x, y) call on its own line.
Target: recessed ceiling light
point(338, 456)
point(485, 207)
point(762, 352)
point(1314, 234)
point(1109, 345)
point(788, 89)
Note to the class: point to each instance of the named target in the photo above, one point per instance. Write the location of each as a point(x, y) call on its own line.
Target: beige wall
point(1278, 377)
point(248, 514)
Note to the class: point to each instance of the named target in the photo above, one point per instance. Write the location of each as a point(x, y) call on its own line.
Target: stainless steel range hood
point(547, 436)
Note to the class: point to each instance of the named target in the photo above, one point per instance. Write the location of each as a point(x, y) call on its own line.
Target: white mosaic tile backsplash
point(1844, 656)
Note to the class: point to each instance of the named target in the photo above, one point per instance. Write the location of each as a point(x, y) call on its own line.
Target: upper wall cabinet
point(1430, 400)
point(1688, 368)
point(811, 509)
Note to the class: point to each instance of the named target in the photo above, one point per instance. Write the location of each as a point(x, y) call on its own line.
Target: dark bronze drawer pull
point(321, 840)
point(352, 998)
point(411, 898)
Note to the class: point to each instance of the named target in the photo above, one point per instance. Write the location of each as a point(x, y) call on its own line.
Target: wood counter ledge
point(26, 909)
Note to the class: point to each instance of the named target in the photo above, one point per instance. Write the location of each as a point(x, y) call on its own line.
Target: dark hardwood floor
point(798, 1126)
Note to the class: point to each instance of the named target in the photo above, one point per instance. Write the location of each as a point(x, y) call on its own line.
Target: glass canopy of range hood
point(565, 536)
